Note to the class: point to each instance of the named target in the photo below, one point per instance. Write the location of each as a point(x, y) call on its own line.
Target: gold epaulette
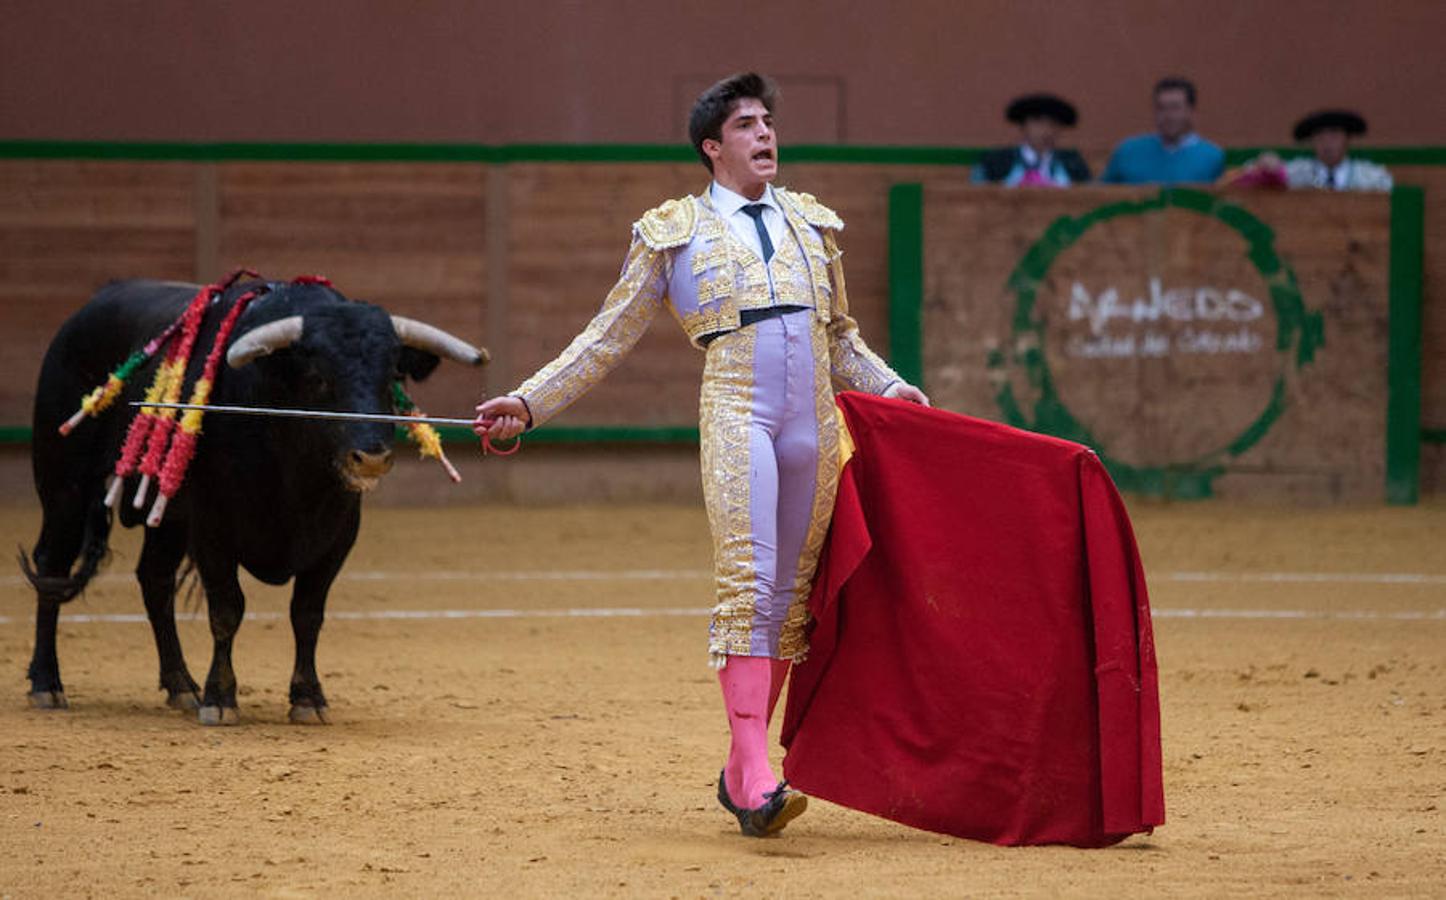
point(669, 225)
point(813, 212)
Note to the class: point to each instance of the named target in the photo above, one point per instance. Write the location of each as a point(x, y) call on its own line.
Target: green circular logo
point(1298, 334)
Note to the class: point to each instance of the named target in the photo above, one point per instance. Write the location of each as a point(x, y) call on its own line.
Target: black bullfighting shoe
point(780, 806)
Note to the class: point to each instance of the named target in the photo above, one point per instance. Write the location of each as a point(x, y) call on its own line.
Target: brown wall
point(865, 71)
point(517, 257)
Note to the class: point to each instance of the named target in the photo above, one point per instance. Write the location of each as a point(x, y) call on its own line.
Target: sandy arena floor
point(540, 754)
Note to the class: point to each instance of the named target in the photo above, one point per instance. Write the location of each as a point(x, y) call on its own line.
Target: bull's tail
point(94, 550)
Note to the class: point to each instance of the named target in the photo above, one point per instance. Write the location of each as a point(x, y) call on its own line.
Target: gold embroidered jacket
point(683, 255)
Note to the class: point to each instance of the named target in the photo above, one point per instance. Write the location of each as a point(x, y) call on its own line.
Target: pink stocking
point(746, 682)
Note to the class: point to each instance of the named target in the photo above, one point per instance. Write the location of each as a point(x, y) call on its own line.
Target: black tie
point(756, 211)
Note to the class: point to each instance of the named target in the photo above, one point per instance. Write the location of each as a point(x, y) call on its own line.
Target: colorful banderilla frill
point(147, 439)
point(101, 398)
point(172, 376)
point(154, 445)
point(428, 441)
point(147, 436)
point(183, 445)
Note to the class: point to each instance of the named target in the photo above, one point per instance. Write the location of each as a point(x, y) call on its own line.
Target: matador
point(753, 274)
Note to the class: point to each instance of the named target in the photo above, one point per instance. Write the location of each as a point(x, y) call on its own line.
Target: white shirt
point(1350, 175)
point(1035, 160)
point(730, 206)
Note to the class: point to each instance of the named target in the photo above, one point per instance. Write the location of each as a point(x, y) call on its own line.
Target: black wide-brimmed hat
point(1037, 106)
point(1349, 122)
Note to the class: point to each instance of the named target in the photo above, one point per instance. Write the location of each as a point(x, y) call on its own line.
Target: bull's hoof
point(305, 714)
point(48, 700)
point(184, 700)
point(218, 715)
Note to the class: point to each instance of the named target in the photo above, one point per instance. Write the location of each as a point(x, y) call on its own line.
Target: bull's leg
point(227, 607)
point(161, 555)
point(308, 609)
point(68, 527)
point(46, 691)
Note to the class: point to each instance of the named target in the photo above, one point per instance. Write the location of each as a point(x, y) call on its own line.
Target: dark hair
point(715, 105)
point(1176, 83)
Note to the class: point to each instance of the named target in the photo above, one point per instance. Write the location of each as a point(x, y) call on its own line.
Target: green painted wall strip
point(164, 151)
point(179, 151)
point(899, 156)
point(600, 153)
point(245, 152)
point(906, 281)
point(1403, 398)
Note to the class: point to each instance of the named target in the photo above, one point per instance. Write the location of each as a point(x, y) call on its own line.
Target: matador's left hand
point(902, 390)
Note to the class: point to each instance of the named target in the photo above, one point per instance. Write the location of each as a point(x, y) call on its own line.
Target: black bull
point(280, 497)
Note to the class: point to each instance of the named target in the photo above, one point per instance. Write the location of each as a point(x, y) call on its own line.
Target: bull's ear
point(417, 364)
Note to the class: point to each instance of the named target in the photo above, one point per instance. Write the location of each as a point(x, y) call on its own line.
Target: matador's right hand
point(501, 418)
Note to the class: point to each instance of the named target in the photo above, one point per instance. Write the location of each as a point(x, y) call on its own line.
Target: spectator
point(1035, 162)
point(1174, 153)
point(1330, 132)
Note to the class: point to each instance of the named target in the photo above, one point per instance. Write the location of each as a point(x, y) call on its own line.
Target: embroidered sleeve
point(625, 315)
point(854, 366)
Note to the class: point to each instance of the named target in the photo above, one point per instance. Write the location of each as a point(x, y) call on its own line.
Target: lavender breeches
point(769, 434)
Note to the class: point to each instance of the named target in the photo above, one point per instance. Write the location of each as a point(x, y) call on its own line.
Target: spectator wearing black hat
point(1035, 162)
point(1330, 132)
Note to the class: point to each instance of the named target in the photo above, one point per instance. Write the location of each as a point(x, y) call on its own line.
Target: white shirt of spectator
point(1033, 160)
point(1350, 175)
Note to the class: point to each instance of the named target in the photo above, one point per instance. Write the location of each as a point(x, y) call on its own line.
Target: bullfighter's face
point(745, 160)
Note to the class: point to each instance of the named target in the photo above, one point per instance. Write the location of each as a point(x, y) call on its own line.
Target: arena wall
point(516, 248)
point(1203, 343)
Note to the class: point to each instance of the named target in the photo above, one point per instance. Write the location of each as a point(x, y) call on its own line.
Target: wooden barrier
point(517, 255)
point(1202, 343)
point(66, 228)
point(411, 238)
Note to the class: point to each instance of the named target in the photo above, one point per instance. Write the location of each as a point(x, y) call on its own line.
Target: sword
point(311, 414)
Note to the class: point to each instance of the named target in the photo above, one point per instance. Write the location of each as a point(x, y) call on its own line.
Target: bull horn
point(264, 340)
point(434, 340)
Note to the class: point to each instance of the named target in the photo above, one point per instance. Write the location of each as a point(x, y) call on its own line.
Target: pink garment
point(1037, 178)
point(748, 698)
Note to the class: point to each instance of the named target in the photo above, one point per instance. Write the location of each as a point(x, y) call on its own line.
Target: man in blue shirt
point(1174, 153)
